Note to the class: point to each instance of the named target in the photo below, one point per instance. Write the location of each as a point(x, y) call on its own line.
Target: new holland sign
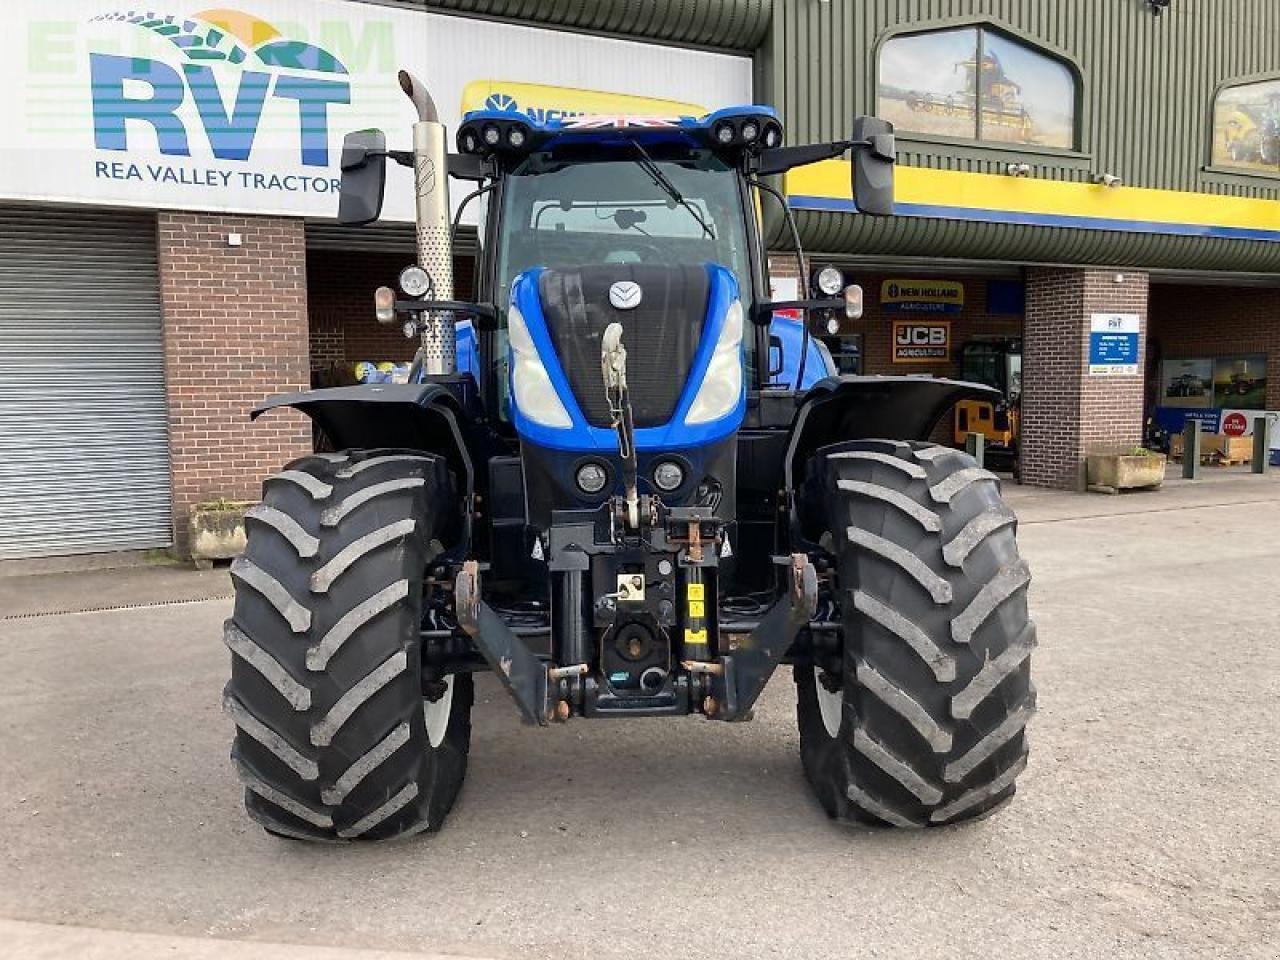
point(921, 296)
point(173, 104)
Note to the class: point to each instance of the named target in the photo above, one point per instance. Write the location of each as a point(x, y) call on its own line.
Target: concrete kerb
point(46, 941)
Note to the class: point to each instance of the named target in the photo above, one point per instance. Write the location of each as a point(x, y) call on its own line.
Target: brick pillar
point(1066, 413)
point(235, 331)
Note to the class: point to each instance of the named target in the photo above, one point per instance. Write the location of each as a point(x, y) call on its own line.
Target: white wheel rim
point(830, 705)
point(436, 713)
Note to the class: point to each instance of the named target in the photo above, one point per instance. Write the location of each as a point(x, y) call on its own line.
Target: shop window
point(974, 83)
point(1246, 127)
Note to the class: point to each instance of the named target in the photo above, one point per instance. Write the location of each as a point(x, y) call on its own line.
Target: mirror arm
point(481, 311)
point(770, 307)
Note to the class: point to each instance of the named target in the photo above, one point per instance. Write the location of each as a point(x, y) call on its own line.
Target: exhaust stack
point(434, 240)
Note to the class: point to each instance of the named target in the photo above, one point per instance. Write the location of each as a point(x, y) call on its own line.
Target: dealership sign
point(921, 296)
point(243, 109)
point(921, 342)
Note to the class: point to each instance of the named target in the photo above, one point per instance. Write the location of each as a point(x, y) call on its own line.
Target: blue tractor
point(628, 484)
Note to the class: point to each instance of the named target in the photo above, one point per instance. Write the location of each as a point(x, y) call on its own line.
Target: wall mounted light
point(1158, 6)
point(1017, 169)
point(1108, 180)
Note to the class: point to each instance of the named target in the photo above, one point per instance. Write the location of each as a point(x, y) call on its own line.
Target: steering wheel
point(636, 251)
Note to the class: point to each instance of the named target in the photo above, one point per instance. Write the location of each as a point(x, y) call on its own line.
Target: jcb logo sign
point(921, 342)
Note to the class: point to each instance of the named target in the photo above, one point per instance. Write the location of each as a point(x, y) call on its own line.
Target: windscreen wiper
point(663, 183)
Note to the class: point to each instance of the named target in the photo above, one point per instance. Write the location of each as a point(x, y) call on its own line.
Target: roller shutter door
point(84, 441)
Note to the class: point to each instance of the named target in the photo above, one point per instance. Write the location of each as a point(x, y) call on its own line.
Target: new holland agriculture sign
point(176, 104)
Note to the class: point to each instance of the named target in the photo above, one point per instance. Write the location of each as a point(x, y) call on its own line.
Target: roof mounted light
point(492, 135)
point(749, 131)
point(772, 135)
point(724, 133)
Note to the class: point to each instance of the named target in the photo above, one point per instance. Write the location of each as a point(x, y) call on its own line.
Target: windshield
point(558, 214)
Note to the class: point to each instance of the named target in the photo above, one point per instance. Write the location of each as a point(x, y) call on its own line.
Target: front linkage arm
point(522, 673)
point(744, 671)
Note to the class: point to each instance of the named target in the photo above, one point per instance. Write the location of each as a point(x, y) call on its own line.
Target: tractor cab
point(665, 204)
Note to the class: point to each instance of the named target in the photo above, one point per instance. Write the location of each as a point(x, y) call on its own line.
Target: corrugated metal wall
point(1146, 113)
point(738, 25)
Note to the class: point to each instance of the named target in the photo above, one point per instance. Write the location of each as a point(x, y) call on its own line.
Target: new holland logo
point(223, 57)
point(625, 295)
point(503, 102)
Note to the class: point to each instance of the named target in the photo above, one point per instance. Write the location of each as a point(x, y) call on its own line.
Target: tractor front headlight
point(531, 386)
point(722, 383)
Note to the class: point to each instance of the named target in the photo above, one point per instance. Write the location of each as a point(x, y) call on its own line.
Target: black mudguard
point(863, 408)
point(427, 417)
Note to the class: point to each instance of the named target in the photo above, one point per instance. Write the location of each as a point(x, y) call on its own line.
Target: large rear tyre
point(921, 720)
point(334, 738)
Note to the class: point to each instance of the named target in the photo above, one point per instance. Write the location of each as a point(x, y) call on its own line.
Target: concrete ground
point(1147, 824)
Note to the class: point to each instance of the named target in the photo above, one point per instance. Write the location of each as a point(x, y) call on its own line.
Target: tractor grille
point(661, 334)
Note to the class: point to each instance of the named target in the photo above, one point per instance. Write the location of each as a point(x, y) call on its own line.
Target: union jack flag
point(602, 121)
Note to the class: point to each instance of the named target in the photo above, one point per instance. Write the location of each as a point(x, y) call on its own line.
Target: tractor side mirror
point(364, 177)
point(874, 155)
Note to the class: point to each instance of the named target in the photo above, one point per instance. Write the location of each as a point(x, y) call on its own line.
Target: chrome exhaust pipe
point(439, 351)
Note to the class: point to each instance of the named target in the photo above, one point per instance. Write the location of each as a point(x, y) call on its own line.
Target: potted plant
point(216, 531)
point(1133, 468)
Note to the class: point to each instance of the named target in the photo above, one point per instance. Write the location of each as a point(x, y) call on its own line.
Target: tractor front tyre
point(334, 738)
point(919, 719)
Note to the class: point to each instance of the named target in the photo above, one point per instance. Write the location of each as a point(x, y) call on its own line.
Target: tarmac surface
point(1147, 824)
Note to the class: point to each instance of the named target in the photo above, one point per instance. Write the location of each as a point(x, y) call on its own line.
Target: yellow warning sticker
point(696, 591)
point(695, 636)
point(695, 609)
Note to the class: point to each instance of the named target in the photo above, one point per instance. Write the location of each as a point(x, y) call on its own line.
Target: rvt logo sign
point(271, 68)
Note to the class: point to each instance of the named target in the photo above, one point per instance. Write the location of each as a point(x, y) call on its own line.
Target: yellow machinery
point(996, 363)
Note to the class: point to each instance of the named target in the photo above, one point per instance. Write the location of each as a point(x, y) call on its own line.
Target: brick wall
point(235, 331)
point(340, 289)
point(1065, 412)
point(1189, 321)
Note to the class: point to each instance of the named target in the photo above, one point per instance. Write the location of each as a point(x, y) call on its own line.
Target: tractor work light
point(772, 136)
point(469, 143)
point(384, 304)
point(517, 137)
point(853, 301)
point(749, 131)
point(668, 476)
point(724, 133)
point(722, 383)
point(534, 394)
point(591, 478)
point(830, 281)
point(415, 282)
point(492, 135)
